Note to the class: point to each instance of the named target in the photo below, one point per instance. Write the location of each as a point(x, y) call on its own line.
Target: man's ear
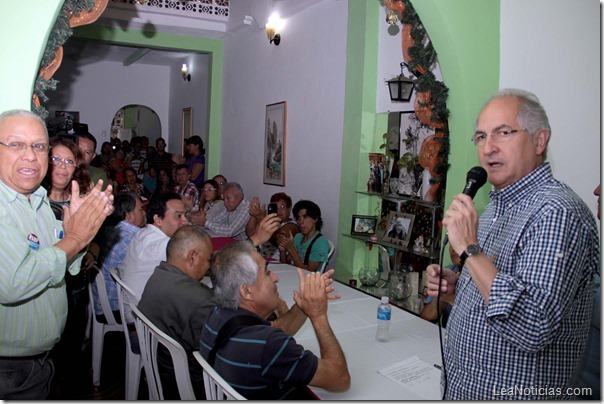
point(541, 138)
point(157, 220)
point(244, 292)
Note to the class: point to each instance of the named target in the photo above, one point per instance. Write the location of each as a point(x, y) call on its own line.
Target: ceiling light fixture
point(186, 76)
point(273, 28)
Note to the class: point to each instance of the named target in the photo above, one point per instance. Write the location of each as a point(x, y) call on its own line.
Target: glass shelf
point(431, 253)
point(398, 197)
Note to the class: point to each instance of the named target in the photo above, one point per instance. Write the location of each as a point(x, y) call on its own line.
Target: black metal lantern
point(400, 87)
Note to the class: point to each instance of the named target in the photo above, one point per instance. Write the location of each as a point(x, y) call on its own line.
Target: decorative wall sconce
point(401, 87)
point(186, 76)
point(273, 29)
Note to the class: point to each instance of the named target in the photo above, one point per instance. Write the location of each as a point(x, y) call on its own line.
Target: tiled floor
point(77, 383)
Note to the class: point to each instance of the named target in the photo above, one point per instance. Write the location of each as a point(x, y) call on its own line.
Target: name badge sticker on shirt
point(33, 241)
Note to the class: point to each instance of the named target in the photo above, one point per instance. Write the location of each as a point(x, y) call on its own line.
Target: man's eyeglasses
point(20, 147)
point(498, 136)
point(57, 161)
point(208, 189)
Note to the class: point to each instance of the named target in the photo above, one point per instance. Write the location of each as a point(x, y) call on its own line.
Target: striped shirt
point(260, 362)
point(544, 241)
point(33, 300)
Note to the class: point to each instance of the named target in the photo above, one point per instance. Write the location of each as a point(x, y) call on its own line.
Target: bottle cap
point(384, 299)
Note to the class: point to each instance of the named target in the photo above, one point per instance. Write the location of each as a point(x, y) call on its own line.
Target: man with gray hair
point(37, 250)
point(264, 362)
point(232, 221)
point(524, 298)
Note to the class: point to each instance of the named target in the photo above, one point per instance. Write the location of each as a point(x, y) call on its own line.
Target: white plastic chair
point(100, 329)
point(329, 254)
point(216, 387)
point(148, 337)
point(134, 363)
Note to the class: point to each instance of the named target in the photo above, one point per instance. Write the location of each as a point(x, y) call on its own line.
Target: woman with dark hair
point(307, 249)
point(196, 159)
point(131, 184)
point(164, 182)
point(66, 164)
point(213, 205)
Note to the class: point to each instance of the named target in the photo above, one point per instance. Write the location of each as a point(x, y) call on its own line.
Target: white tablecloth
point(353, 320)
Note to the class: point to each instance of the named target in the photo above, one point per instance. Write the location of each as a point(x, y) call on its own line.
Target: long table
point(353, 320)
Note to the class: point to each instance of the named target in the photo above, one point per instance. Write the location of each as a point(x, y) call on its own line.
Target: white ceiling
point(85, 51)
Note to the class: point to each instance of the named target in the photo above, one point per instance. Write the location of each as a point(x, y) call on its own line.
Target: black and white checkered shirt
point(527, 340)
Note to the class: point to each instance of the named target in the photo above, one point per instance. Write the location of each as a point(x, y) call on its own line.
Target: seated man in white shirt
point(231, 222)
point(165, 215)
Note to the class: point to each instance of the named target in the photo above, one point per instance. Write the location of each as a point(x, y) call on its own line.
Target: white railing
point(207, 9)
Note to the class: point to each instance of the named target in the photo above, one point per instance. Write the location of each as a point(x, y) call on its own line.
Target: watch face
point(473, 249)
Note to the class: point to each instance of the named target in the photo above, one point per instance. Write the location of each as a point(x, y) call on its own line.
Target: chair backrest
point(329, 254)
point(125, 296)
point(148, 337)
point(216, 387)
point(99, 282)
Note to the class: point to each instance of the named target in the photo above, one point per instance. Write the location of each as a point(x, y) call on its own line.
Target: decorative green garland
point(423, 56)
point(60, 33)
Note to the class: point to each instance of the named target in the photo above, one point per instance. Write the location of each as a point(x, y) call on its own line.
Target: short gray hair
point(235, 186)
point(232, 267)
point(24, 113)
point(531, 114)
point(185, 239)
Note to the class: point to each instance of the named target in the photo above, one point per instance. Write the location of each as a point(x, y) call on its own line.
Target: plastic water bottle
point(383, 320)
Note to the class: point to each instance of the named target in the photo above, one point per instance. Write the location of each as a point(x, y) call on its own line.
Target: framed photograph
point(399, 229)
point(274, 144)
point(363, 225)
point(187, 126)
point(414, 180)
point(377, 162)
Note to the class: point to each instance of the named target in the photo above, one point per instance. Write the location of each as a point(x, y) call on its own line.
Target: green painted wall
point(465, 34)
point(212, 47)
point(27, 24)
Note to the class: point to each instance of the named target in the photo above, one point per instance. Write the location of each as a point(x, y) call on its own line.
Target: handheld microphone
point(475, 179)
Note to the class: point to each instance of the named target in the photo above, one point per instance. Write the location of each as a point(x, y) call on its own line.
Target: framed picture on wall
point(399, 229)
point(187, 125)
point(274, 144)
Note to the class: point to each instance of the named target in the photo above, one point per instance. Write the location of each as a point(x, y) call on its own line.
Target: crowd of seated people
point(158, 235)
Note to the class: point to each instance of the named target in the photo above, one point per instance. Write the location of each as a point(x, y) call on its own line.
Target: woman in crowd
point(195, 159)
point(164, 182)
point(150, 178)
point(212, 204)
point(221, 181)
point(270, 249)
point(307, 249)
point(65, 165)
point(131, 184)
point(117, 165)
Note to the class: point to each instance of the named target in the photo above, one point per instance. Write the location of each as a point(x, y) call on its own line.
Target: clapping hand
point(256, 210)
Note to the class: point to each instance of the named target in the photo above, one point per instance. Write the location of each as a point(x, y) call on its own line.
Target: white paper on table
point(415, 375)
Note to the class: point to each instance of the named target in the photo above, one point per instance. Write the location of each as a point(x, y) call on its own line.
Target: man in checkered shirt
point(524, 298)
point(185, 187)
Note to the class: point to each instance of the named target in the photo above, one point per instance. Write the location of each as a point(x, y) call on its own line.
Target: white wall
point(307, 70)
point(552, 48)
point(98, 90)
point(192, 94)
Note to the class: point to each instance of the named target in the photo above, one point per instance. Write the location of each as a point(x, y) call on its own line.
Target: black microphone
point(475, 179)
